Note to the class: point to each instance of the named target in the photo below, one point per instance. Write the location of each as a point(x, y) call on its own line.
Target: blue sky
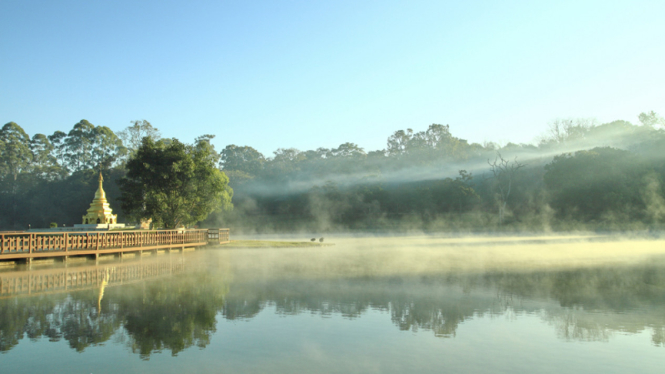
point(309, 74)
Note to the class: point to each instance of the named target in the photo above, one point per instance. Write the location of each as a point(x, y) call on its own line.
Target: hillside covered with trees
point(580, 175)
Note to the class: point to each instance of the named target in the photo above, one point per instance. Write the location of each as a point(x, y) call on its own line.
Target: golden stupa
point(100, 211)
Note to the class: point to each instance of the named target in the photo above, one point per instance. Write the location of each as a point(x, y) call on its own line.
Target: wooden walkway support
point(29, 245)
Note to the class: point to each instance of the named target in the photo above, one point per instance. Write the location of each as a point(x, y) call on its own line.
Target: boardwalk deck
point(30, 245)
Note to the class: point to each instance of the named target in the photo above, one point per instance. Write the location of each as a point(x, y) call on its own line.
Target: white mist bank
point(478, 166)
point(421, 255)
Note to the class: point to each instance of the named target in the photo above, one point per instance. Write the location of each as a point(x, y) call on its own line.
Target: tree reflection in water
point(169, 313)
point(179, 311)
point(173, 315)
point(589, 303)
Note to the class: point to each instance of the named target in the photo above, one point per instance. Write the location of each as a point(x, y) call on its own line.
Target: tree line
point(580, 174)
point(50, 180)
point(603, 176)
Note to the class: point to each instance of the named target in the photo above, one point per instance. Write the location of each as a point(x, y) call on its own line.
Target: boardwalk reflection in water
point(153, 303)
point(176, 302)
point(65, 279)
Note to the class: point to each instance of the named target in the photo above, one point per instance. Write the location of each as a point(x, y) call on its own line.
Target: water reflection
point(172, 304)
point(157, 304)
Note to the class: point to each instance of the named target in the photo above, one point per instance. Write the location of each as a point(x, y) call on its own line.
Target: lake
point(368, 304)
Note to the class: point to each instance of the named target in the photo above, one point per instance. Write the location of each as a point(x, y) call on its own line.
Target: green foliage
point(44, 164)
point(651, 119)
point(64, 200)
point(588, 184)
point(435, 143)
point(78, 146)
point(58, 150)
point(16, 158)
point(53, 225)
point(174, 183)
point(504, 175)
point(16, 154)
point(410, 184)
point(242, 159)
point(133, 135)
point(107, 148)
point(87, 146)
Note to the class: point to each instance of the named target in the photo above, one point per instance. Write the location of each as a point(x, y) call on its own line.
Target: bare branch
point(503, 172)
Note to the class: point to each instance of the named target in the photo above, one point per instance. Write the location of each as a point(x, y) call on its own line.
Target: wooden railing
point(29, 245)
point(219, 236)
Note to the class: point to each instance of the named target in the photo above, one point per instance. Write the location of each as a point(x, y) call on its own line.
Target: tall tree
point(651, 119)
point(426, 146)
point(107, 147)
point(133, 135)
point(14, 160)
point(245, 159)
point(203, 145)
point(174, 183)
point(16, 155)
point(398, 143)
point(59, 150)
point(44, 164)
point(443, 143)
point(285, 162)
point(79, 146)
point(563, 131)
point(504, 173)
point(348, 150)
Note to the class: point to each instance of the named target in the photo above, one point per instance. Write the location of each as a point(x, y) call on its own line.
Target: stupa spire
point(100, 194)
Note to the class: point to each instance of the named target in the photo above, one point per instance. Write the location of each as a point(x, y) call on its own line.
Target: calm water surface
point(364, 305)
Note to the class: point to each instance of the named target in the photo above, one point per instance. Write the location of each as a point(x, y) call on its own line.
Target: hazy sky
point(309, 74)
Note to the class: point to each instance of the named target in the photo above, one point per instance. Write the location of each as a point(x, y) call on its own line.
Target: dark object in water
point(321, 240)
point(313, 239)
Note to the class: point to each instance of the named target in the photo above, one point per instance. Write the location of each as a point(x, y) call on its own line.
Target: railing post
point(122, 244)
point(98, 239)
point(64, 237)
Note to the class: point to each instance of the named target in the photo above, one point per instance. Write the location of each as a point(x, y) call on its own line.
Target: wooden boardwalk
point(32, 245)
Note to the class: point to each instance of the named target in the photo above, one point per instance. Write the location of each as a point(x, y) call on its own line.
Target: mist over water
point(425, 303)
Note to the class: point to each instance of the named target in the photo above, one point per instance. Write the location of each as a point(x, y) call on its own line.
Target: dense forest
point(580, 175)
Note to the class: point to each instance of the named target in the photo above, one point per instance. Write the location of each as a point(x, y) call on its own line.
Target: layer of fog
point(588, 287)
point(393, 255)
point(529, 155)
